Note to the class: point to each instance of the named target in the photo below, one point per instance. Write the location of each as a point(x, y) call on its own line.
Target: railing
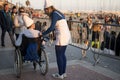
point(109, 41)
point(102, 39)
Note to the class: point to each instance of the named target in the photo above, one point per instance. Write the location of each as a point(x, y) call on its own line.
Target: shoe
point(64, 75)
point(56, 75)
point(34, 65)
point(3, 45)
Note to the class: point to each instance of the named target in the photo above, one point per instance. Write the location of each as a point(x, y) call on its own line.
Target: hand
point(43, 42)
point(40, 34)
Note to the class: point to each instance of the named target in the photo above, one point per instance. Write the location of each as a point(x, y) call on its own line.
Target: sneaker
point(64, 75)
point(34, 65)
point(56, 75)
point(3, 45)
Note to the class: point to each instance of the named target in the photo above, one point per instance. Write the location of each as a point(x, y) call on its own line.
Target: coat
point(19, 23)
point(4, 20)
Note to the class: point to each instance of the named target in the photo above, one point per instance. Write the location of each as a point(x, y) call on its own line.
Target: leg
point(61, 58)
point(17, 35)
point(11, 37)
point(64, 59)
point(83, 53)
point(3, 37)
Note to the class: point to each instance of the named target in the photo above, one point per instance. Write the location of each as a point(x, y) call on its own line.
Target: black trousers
point(4, 30)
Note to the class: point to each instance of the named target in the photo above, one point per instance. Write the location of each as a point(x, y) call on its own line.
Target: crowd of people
point(101, 31)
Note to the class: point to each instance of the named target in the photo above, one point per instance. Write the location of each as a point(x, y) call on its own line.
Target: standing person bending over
point(6, 24)
point(63, 37)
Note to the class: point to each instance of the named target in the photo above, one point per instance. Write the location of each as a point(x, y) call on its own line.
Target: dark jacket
point(5, 20)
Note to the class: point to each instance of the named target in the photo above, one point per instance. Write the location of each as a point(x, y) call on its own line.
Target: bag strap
point(58, 13)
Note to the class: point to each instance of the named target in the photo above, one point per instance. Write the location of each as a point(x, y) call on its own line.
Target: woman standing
point(13, 14)
point(63, 37)
point(18, 21)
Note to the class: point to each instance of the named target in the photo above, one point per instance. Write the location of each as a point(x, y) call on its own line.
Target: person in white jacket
point(18, 21)
point(63, 37)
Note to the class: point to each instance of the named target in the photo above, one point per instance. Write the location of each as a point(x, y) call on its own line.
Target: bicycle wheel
point(43, 62)
point(18, 63)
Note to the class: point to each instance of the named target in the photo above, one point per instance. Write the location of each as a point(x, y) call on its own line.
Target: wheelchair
point(21, 52)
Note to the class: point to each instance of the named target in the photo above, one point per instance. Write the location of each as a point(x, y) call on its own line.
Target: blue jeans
point(61, 58)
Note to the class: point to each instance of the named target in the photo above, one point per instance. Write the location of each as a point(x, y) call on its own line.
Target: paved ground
point(76, 70)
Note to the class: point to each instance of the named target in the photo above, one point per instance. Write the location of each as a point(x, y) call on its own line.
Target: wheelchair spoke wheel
point(18, 63)
point(43, 62)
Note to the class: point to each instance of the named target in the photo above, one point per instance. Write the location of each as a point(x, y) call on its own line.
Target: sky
point(75, 5)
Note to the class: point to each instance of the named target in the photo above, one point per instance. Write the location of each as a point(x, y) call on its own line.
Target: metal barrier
point(102, 39)
point(109, 42)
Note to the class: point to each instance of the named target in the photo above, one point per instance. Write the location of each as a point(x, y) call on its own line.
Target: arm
point(2, 23)
point(16, 23)
point(19, 40)
point(54, 19)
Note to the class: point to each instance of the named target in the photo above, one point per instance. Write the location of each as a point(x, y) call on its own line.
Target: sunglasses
point(21, 11)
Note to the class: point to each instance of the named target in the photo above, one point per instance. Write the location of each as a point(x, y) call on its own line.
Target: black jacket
point(4, 19)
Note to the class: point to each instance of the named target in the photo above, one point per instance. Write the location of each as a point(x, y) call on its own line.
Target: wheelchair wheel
point(18, 63)
point(43, 62)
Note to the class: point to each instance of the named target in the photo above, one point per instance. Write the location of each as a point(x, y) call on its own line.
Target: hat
point(28, 21)
point(48, 3)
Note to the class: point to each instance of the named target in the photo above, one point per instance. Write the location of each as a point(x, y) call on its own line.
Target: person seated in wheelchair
point(26, 40)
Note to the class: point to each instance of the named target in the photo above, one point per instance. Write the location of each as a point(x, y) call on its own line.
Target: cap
point(28, 21)
point(48, 3)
